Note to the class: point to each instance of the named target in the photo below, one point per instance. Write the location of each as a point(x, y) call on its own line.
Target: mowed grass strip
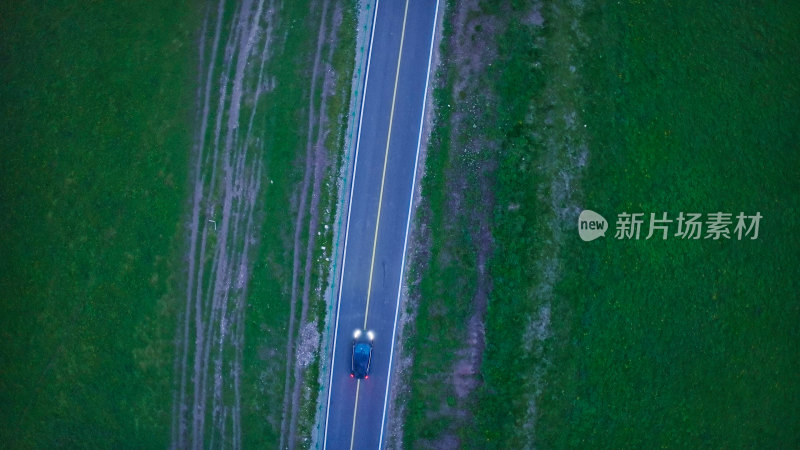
point(96, 104)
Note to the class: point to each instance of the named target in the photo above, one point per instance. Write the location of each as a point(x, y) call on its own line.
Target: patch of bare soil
point(473, 49)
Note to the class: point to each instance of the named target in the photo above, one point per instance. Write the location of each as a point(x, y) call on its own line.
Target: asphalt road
point(377, 227)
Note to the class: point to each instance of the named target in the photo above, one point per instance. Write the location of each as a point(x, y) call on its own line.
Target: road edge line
point(347, 224)
point(408, 222)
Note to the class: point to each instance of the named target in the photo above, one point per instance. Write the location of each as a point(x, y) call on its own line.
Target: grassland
point(256, 390)
point(98, 120)
point(96, 124)
point(616, 343)
point(674, 342)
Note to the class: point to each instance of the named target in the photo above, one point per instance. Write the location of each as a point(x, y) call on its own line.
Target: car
point(361, 360)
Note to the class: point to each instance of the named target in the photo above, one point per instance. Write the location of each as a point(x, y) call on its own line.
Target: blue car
point(360, 365)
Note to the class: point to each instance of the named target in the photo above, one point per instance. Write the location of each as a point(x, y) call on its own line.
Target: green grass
point(96, 123)
point(674, 342)
point(426, 333)
point(267, 316)
point(522, 229)
point(443, 269)
point(688, 107)
point(284, 131)
point(337, 107)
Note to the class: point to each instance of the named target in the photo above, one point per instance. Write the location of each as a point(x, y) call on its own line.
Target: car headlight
point(370, 335)
point(356, 334)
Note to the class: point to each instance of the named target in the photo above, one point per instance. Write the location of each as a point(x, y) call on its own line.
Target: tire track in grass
point(221, 230)
point(201, 342)
point(232, 190)
point(179, 434)
point(203, 346)
point(204, 340)
point(180, 359)
point(314, 165)
point(320, 167)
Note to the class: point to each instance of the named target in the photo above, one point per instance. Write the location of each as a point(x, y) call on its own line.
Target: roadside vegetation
point(268, 416)
point(96, 125)
point(449, 280)
point(615, 107)
point(250, 327)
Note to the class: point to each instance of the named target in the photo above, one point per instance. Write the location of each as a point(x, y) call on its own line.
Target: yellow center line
point(355, 408)
point(385, 160)
point(380, 204)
